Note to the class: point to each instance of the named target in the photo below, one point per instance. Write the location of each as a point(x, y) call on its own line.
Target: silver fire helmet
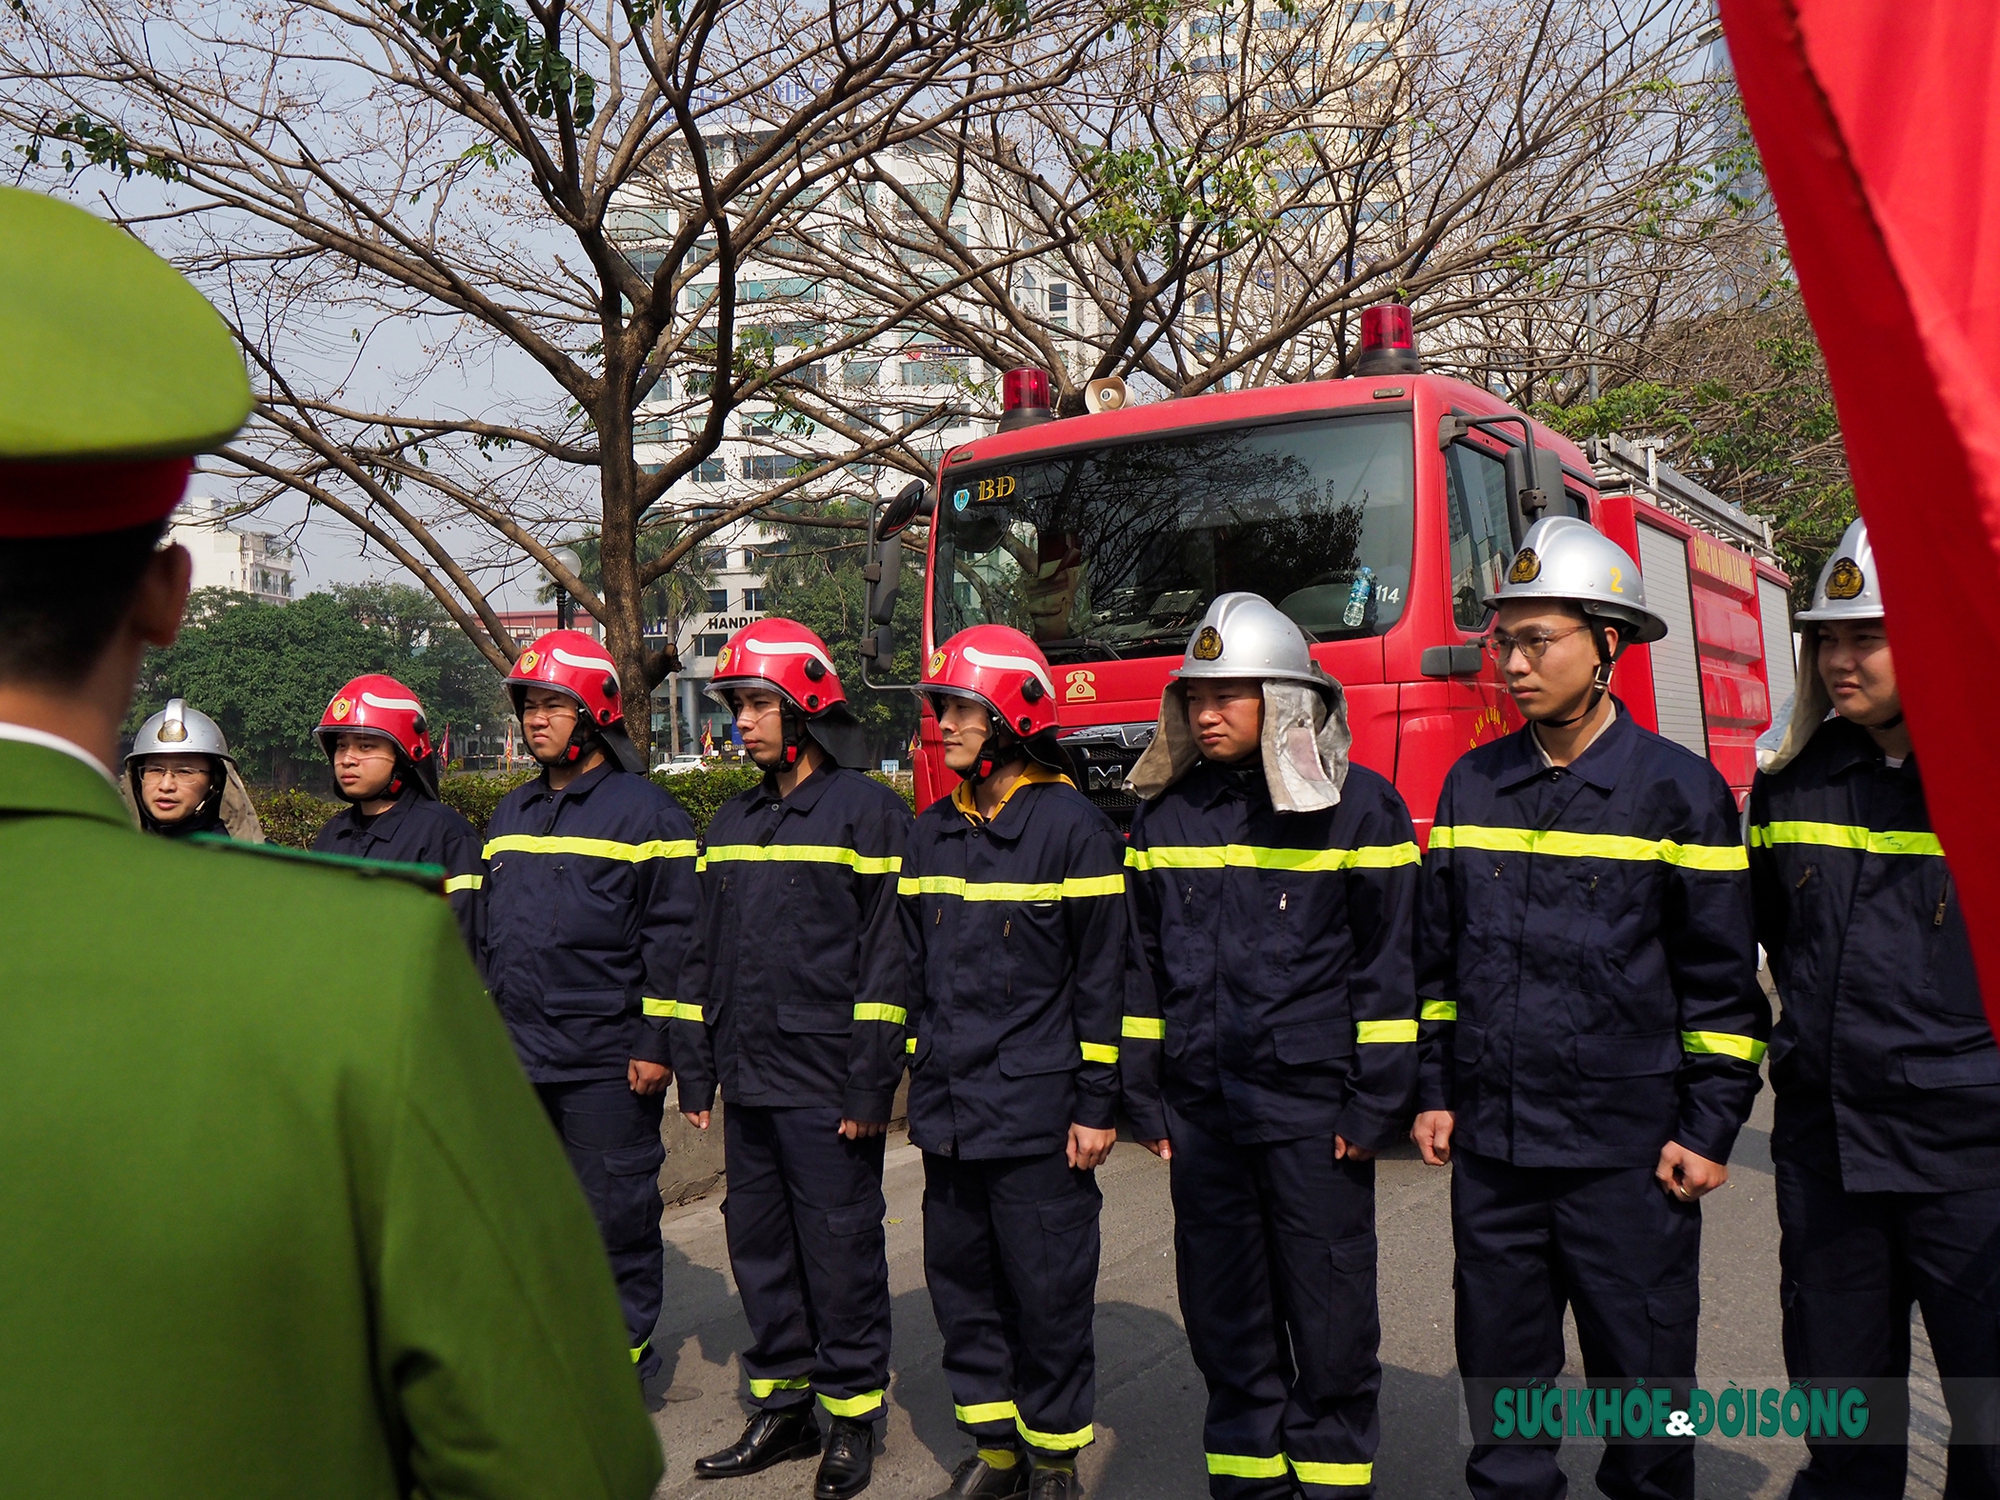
point(179, 730)
point(1247, 636)
point(1848, 588)
point(1568, 560)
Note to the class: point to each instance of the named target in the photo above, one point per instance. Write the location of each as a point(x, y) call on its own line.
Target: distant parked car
point(679, 763)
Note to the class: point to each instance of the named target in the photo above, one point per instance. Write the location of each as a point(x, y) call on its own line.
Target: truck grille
point(1108, 753)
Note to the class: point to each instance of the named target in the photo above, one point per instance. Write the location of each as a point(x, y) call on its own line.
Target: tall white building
point(235, 557)
point(904, 384)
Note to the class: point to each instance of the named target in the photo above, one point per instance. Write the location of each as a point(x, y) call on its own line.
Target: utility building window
point(753, 601)
point(767, 466)
point(718, 604)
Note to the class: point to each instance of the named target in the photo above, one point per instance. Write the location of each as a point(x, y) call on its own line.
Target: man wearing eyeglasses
point(1591, 1025)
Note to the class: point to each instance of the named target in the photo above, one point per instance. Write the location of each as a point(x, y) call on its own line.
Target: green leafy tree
point(818, 582)
point(265, 672)
point(1740, 401)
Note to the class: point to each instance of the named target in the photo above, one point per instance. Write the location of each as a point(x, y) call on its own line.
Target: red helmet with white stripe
point(575, 665)
point(999, 667)
point(580, 668)
point(380, 705)
point(785, 657)
point(376, 704)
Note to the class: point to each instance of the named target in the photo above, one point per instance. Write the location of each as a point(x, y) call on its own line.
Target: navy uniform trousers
point(1609, 1243)
point(806, 1244)
point(1851, 1265)
point(612, 1137)
point(1275, 1245)
point(1010, 1251)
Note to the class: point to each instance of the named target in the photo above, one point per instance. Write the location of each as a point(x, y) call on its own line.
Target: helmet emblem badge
point(937, 661)
point(1527, 567)
point(342, 707)
point(1208, 645)
point(528, 660)
point(1846, 580)
point(173, 731)
point(722, 659)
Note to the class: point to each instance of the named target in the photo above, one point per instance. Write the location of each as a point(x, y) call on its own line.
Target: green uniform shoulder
point(430, 877)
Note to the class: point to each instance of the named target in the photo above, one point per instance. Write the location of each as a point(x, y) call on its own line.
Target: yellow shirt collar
point(1036, 774)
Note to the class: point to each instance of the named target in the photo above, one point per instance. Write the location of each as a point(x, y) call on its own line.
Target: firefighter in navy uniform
point(1592, 1023)
point(1013, 904)
point(375, 737)
point(181, 779)
point(1887, 1131)
point(590, 903)
point(1274, 889)
point(794, 999)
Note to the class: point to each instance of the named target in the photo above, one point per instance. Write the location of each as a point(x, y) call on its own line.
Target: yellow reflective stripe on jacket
point(1255, 857)
point(1352, 1474)
point(1385, 1031)
point(988, 1411)
point(1438, 1010)
point(1098, 1052)
point(909, 1044)
point(675, 1010)
point(464, 883)
point(1724, 1044)
point(1845, 836)
point(1246, 1465)
point(663, 1008)
point(762, 1388)
point(1054, 1441)
point(1146, 1028)
point(851, 1406)
point(533, 843)
point(875, 1010)
point(1011, 890)
point(810, 854)
point(1591, 846)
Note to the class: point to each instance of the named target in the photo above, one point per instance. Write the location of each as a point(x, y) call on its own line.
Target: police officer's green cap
point(114, 372)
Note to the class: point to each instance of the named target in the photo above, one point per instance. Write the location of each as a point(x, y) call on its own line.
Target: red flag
point(1879, 125)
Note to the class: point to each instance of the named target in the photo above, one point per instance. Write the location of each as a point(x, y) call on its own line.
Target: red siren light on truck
point(1025, 399)
point(1388, 342)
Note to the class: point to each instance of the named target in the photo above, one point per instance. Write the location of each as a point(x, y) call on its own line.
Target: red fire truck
point(1375, 511)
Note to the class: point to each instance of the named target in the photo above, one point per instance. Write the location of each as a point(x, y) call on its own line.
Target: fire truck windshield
point(1117, 551)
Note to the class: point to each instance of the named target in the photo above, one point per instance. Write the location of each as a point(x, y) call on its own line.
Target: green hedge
point(295, 818)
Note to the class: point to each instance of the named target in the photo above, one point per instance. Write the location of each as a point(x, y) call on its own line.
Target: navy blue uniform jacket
point(1586, 967)
point(1278, 972)
point(590, 902)
point(418, 830)
point(797, 984)
point(1017, 934)
point(1886, 1073)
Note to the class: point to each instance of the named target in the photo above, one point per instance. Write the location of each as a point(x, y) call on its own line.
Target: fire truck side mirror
point(884, 573)
point(912, 501)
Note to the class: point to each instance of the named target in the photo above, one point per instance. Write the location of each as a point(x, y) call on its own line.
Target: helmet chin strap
point(1002, 748)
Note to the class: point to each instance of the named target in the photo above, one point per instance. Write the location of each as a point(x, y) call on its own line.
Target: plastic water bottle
point(1357, 597)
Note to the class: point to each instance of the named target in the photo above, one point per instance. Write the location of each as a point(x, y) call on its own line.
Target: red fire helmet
point(785, 657)
point(375, 704)
point(572, 663)
point(997, 666)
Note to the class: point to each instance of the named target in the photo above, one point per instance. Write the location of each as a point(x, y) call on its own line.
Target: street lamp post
point(565, 603)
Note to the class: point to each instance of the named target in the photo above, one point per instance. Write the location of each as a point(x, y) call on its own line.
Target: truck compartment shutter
point(1676, 664)
point(1780, 667)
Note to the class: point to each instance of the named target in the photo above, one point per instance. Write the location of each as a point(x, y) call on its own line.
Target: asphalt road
point(1149, 1395)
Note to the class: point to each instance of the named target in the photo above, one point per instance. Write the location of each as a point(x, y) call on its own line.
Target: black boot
point(1053, 1484)
point(849, 1461)
point(771, 1438)
point(976, 1479)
